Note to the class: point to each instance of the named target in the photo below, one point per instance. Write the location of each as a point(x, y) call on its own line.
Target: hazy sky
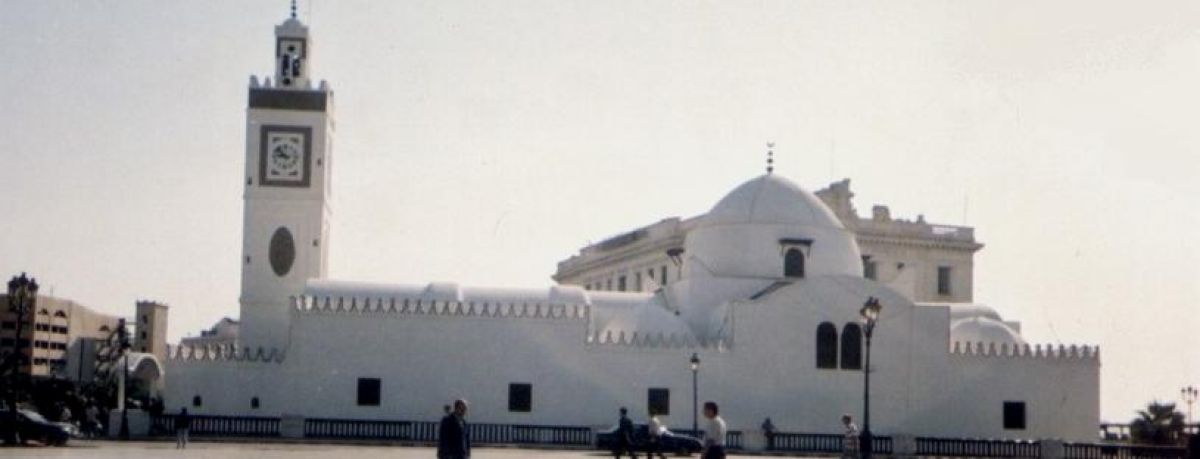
point(484, 141)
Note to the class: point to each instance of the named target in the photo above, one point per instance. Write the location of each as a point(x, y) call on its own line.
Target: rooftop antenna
point(293, 9)
point(770, 157)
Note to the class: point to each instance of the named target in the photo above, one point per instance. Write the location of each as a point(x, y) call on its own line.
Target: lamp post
point(1189, 396)
point(695, 362)
point(22, 296)
point(123, 337)
point(870, 314)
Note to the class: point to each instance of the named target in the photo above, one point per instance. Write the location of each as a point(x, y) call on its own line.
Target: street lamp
point(695, 362)
point(870, 314)
point(123, 337)
point(22, 296)
point(1189, 396)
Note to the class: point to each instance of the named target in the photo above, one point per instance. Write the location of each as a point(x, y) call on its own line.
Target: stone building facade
point(927, 262)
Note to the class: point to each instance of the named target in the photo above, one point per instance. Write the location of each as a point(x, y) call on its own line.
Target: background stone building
point(927, 262)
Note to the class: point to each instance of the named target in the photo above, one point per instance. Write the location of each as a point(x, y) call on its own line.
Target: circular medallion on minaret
point(282, 251)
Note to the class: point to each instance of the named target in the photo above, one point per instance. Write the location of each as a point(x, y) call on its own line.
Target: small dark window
point(254, 403)
point(197, 401)
point(143, 335)
point(869, 268)
point(520, 397)
point(621, 283)
point(663, 278)
point(658, 400)
point(282, 251)
point(1014, 415)
point(145, 319)
point(852, 347)
point(368, 391)
point(8, 325)
point(827, 346)
point(793, 263)
point(943, 280)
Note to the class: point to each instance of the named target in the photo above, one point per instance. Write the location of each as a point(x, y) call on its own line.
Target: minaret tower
point(285, 232)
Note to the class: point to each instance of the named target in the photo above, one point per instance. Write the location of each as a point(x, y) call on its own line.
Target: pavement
point(157, 449)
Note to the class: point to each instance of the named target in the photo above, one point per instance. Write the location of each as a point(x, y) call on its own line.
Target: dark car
point(32, 426)
point(680, 444)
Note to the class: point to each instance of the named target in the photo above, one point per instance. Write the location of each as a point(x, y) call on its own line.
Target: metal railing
point(232, 426)
point(1114, 451)
point(427, 431)
point(823, 443)
point(370, 429)
point(957, 447)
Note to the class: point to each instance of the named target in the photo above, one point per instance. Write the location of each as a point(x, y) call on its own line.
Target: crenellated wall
point(1026, 351)
point(326, 305)
point(224, 352)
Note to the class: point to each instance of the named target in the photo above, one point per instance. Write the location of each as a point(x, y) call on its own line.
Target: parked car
point(677, 443)
point(32, 426)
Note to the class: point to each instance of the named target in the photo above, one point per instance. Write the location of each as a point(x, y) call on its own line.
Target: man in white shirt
point(714, 432)
point(654, 433)
point(850, 438)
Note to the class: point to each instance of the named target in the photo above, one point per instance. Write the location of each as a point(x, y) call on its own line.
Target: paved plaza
point(123, 450)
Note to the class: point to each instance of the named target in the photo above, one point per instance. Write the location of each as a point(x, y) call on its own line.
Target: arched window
point(852, 347)
point(793, 263)
point(197, 401)
point(827, 346)
point(254, 403)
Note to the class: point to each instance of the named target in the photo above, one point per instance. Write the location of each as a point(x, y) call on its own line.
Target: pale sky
point(482, 142)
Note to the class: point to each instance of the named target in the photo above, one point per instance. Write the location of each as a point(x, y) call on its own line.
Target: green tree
point(1158, 424)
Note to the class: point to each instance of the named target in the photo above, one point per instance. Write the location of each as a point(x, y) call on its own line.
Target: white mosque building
point(768, 297)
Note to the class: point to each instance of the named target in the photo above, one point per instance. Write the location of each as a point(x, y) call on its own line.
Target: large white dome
point(748, 232)
point(771, 199)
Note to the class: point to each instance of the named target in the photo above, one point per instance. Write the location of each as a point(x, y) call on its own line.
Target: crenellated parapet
point(418, 307)
point(654, 340)
point(223, 353)
point(1006, 350)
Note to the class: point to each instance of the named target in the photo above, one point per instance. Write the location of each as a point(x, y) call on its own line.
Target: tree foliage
point(1158, 424)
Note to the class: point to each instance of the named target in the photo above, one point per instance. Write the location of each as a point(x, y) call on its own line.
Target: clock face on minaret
point(285, 156)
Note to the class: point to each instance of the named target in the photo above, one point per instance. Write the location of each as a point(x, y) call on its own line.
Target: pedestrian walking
point(849, 437)
point(654, 432)
point(714, 432)
point(768, 429)
point(454, 439)
point(183, 423)
point(91, 421)
point(624, 443)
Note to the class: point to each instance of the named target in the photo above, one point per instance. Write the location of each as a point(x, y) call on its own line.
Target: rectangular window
point(621, 283)
point(368, 391)
point(658, 400)
point(520, 397)
point(663, 278)
point(943, 280)
point(1014, 415)
point(8, 325)
point(637, 281)
point(869, 268)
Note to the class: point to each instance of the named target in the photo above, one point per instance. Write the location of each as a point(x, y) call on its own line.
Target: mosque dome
point(752, 230)
point(771, 199)
point(983, 329)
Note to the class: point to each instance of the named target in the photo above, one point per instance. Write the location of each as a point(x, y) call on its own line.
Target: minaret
point(285, 232)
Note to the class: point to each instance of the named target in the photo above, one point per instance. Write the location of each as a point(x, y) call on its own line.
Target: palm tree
point(1158, 424)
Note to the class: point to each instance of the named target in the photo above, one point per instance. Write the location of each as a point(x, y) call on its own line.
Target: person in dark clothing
point(768, 429)
point(624, 443)
point(454, 439)
point(183, 422)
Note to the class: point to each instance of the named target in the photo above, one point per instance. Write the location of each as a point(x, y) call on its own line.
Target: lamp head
point(695, 361)
point(870, 309)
